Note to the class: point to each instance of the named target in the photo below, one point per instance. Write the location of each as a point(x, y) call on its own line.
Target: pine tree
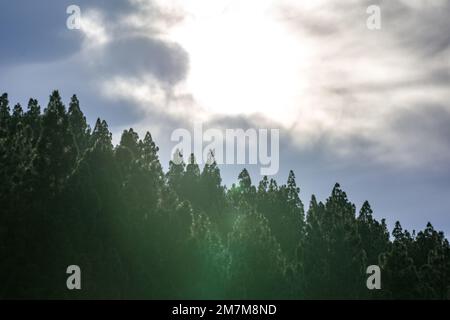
point(67, 195)
point(212, 200)
point(190, 183)
point(4, 116)
point(77, 125)
point(101, 135)
point(176, 172)
point(400, 275)
point(33, 120)
point(374, 235)
point(55, 150)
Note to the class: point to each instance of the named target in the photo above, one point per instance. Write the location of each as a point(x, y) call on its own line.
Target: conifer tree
point(77, 125)
point(68, 195)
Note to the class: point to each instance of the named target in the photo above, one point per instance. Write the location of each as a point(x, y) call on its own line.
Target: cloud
point(360, 79)
point(139, 56)
point(317, 72)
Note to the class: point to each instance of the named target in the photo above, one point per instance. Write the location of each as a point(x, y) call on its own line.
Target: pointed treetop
point(4, 105)
point(192, 169)
point(17, 111)
point(291, 177)
point(365, 214)
point(397, 233)
point(245, 181)
point(130, 140)
point(273, 185)
point(34, 107)
point(177, 158)
point(55, 104)
point(148, 142)
point(149, 149)
point(313, 199)
point(74, 100)
point(192, 159)
point(101, 134)
point(263, 184)
point(74, 105)
point(211, 159)
point(292, 185)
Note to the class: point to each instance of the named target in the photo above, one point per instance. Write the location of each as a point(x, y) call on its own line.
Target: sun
point(243, 60)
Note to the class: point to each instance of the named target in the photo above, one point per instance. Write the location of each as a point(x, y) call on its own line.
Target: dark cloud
point(36, 32)
point(438, 78)
point(431, 119)
point(139, 56)
point(243, 121)
point(423, 29)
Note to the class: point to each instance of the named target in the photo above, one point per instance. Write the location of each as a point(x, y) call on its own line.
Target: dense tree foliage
point(68, 196)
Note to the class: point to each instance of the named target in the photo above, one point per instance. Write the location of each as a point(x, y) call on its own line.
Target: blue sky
point(366, 108)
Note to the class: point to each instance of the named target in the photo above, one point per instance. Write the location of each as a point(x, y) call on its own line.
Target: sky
point(366, 108)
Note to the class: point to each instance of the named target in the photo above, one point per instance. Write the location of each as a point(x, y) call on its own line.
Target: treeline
point(69, 197)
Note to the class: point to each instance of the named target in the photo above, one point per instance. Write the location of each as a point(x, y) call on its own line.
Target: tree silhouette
point(69, 196)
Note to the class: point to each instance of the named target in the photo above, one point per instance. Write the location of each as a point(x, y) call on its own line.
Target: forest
point(68, 196)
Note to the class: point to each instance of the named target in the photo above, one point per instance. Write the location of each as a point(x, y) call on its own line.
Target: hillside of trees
point(69, 197)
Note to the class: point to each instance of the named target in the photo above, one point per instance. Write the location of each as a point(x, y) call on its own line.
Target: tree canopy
point(68, 196)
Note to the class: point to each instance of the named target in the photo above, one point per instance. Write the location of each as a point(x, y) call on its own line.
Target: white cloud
point(93, 28)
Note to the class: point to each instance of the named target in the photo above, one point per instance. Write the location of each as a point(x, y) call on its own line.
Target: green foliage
point(68, 196)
